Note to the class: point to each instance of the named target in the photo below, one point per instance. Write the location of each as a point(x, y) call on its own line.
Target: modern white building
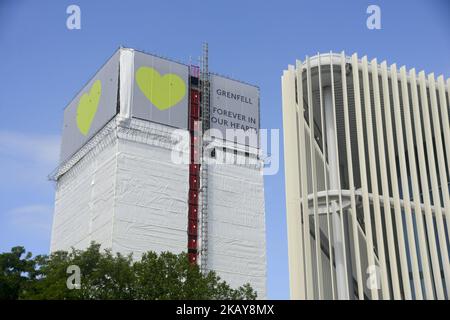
point(130, 177)
point(367, 158)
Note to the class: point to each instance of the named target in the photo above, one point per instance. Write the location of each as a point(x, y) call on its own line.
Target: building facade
point(139, 172)
point(367, 158)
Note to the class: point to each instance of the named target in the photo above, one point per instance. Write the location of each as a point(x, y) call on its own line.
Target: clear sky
point(43, 65)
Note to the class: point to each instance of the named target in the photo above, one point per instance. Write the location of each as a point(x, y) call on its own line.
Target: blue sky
point(43, 65)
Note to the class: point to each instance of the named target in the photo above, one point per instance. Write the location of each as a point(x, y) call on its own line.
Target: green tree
point(108, 276)
point(17, 271)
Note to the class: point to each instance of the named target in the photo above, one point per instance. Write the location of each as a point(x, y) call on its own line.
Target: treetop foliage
point(104, 275)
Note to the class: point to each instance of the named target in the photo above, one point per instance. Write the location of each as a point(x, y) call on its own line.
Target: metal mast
point(204, 116)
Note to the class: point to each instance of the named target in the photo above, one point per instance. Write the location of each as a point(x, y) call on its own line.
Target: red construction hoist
point(195, 131)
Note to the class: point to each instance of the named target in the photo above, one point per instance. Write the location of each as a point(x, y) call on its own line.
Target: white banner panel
point(234, 105)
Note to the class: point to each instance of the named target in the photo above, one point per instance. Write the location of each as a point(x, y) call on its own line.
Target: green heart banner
point(160, 91)
point(87, 107)
point(91, 109)
point(164, 92)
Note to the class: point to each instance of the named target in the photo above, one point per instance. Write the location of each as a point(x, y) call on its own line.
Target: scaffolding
point(204, 111)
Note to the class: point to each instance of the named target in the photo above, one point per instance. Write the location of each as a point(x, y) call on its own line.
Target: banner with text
point(234, 110)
